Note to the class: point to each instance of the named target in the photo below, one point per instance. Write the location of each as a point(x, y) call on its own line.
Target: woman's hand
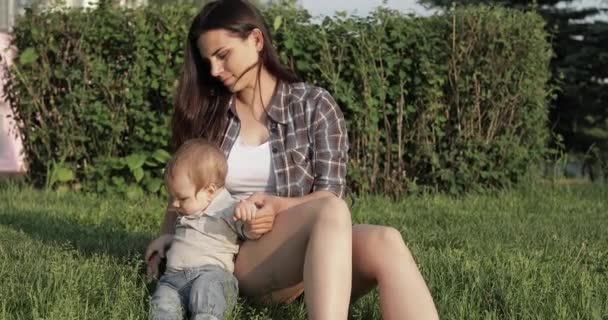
point(268, 207)
point(154, 253)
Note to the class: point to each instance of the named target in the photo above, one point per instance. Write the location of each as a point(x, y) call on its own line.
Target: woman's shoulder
point(303, 91)
point(313, 102)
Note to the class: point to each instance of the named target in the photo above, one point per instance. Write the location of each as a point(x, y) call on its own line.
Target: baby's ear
point(209, 190)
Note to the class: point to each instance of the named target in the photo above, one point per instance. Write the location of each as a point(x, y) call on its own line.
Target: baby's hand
point(245, 211)
point(154, 253)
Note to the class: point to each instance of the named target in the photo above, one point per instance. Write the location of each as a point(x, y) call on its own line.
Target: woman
point(286, 146)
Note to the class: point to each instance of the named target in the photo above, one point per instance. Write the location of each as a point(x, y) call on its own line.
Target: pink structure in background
point(11, 157)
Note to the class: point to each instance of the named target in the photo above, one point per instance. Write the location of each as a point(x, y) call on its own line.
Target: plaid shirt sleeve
point(330, 154)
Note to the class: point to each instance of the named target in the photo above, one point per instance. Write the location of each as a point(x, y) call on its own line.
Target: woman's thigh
point(367, 240)
point(273, 266)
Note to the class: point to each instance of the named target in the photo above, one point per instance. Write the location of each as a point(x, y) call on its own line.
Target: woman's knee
point(333, 211)
point(388, 240)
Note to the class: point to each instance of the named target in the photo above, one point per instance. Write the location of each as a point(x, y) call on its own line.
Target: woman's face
point(231, 57)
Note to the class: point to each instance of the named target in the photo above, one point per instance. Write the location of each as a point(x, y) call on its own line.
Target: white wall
point(7, 14)
point(11, 8)
point(11, 159)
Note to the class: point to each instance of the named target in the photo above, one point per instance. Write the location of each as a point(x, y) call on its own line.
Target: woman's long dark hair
point(201, 101)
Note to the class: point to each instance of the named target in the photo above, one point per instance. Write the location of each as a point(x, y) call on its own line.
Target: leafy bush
point(456, 102)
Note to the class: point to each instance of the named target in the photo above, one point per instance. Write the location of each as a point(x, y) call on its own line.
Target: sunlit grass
point(538, 252)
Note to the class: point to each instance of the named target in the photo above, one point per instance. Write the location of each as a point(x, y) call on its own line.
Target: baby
point(200, 262)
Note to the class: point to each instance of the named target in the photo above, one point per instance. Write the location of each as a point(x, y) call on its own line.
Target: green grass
point(535, 253)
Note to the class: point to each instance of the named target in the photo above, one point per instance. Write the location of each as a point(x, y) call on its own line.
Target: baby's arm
point(245, 211)
point(155, 252)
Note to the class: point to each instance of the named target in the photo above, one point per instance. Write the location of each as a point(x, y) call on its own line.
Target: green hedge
point(455, 103)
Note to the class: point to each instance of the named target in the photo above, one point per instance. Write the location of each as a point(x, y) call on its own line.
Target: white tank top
point(250, 169)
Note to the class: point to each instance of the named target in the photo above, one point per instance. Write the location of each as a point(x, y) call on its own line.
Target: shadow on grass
point(90, 239)
point(110, 238)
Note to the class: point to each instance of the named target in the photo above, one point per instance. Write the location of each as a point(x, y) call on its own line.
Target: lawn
point(538, 252)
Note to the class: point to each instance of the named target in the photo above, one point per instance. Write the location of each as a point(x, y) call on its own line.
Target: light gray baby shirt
point(209, 237)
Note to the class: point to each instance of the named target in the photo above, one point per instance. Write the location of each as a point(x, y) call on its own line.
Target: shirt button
point(275, 150)
point(274, 130)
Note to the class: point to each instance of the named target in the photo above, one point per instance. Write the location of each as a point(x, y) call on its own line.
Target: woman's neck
point(256, 97)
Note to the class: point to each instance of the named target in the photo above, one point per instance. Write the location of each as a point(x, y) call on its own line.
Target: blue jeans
point(204, 292)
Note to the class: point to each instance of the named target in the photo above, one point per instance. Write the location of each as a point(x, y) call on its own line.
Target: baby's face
point(186, 199)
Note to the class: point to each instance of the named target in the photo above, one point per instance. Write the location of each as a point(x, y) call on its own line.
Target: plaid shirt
point(307, 137)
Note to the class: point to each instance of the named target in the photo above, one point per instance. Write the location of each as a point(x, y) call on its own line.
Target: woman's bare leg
point(380, 257)
point(311, 243)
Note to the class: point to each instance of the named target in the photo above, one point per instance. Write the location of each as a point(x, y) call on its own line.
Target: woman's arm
point(156, 249)
point(330, 146)
point(330, 157)
point(280, 204)
point(286, 203)
point(167, 227)
point(270, 206)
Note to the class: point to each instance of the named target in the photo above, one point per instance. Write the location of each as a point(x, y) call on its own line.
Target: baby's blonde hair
point(205, 163)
